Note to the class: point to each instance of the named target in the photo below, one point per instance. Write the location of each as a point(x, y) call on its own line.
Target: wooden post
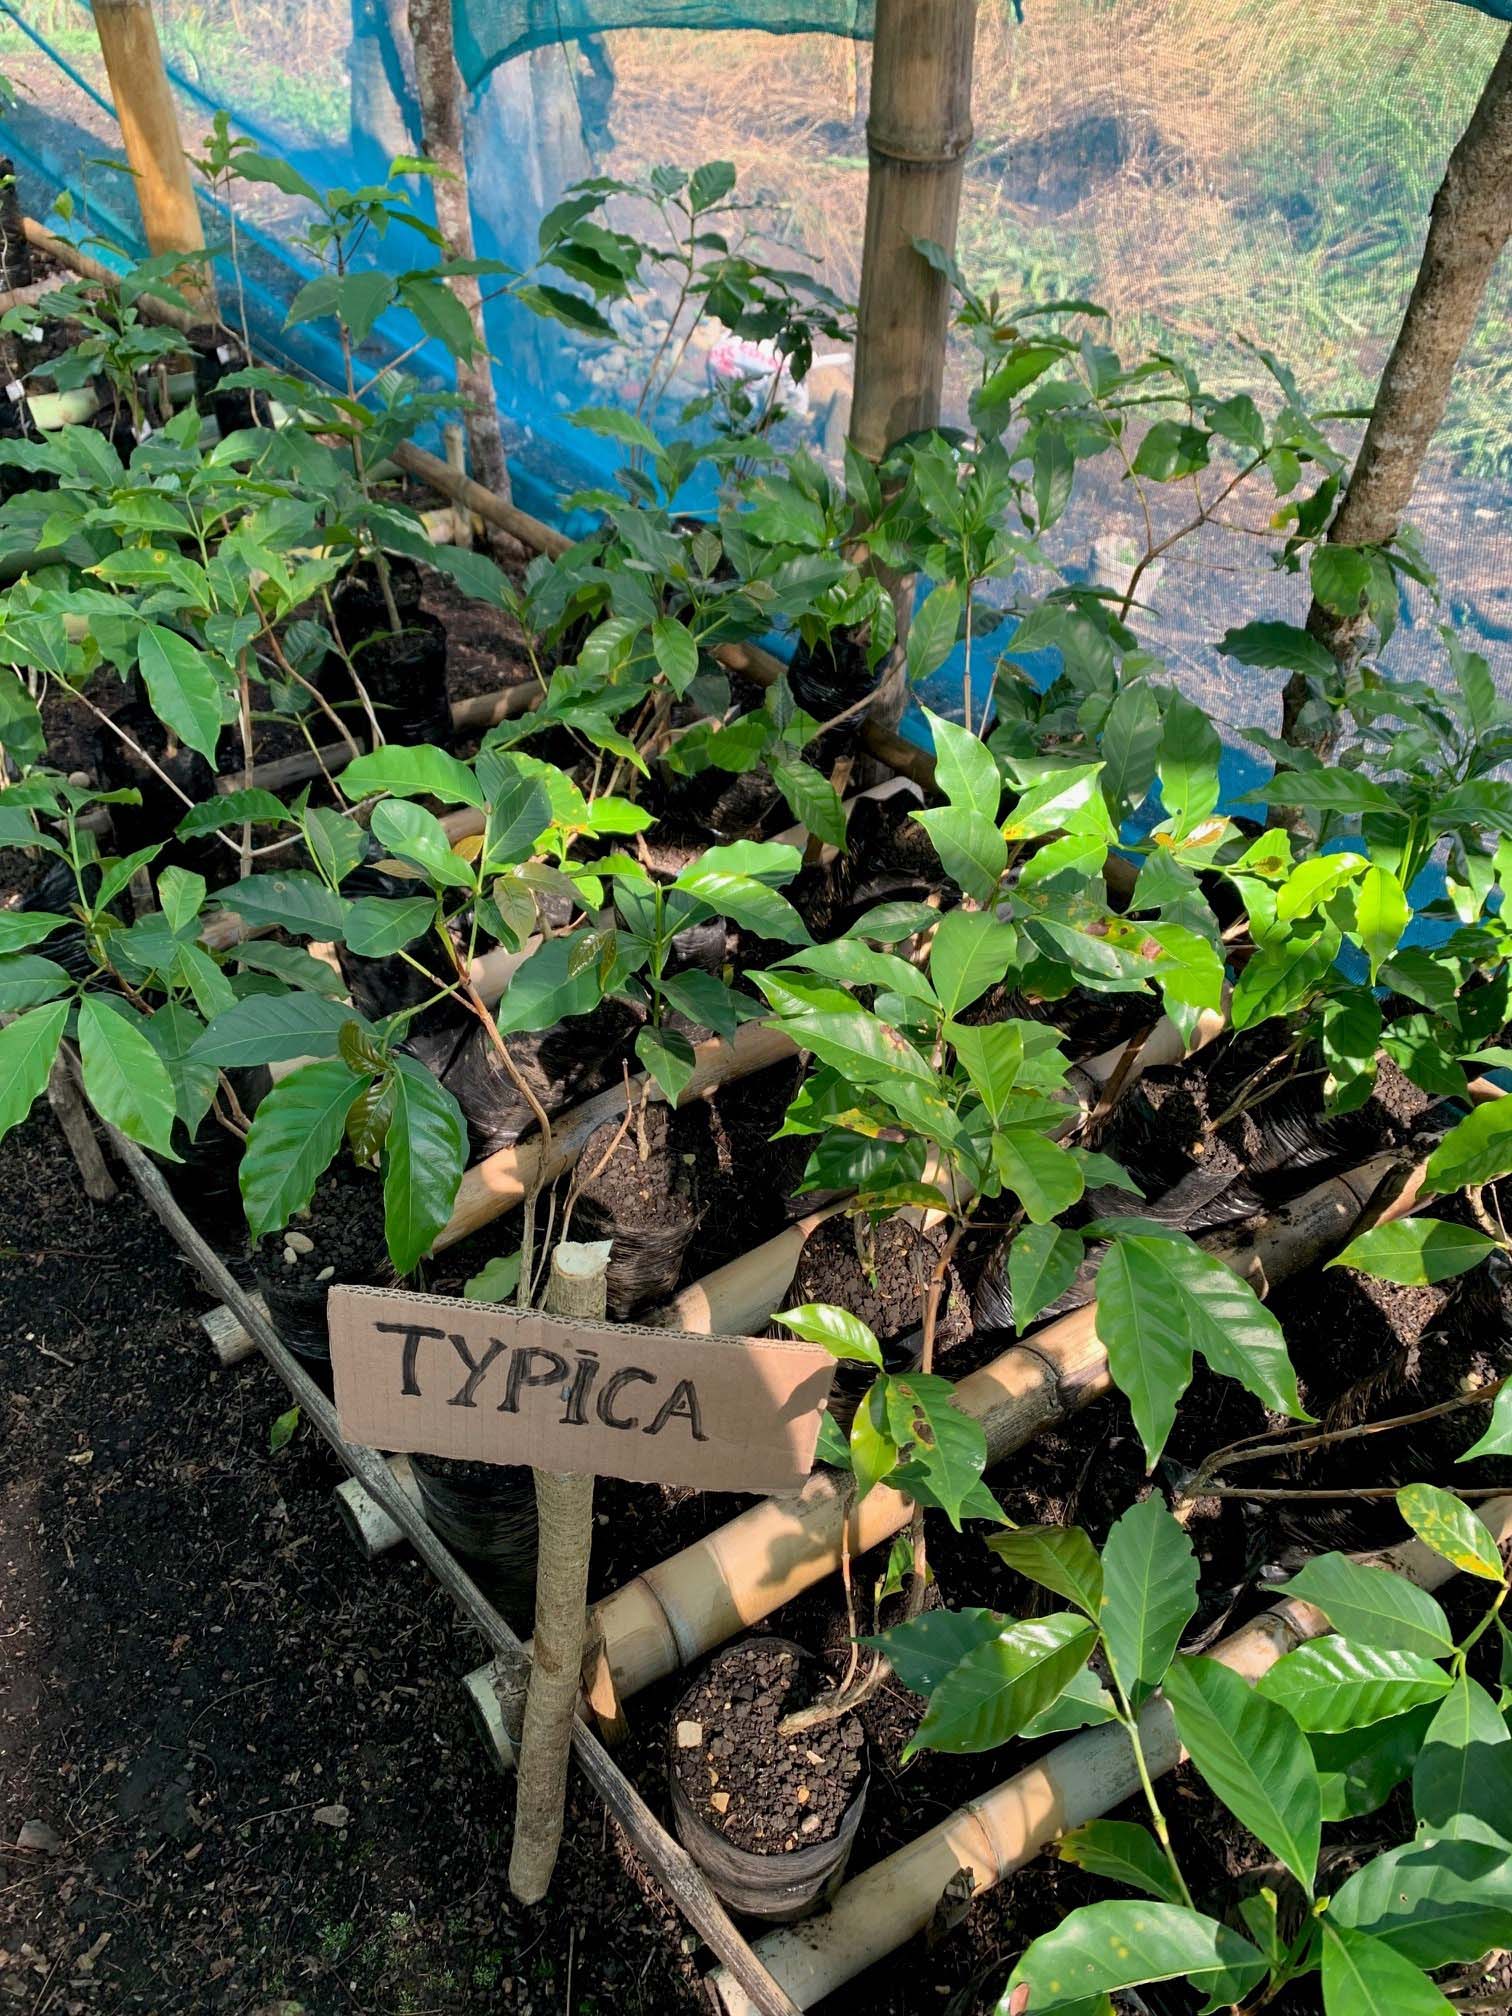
point(917, 134)
point(578, 1287)
point(150, 130)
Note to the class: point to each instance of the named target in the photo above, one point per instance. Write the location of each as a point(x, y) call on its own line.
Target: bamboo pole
point(150, 133)
point(578, 1286)
point(918, 130)
point(990, 1837)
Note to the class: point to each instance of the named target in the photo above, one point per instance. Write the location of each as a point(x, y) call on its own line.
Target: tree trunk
point(1467, 232)
point(918, 129)
point(440, 91)
point(578, 1287)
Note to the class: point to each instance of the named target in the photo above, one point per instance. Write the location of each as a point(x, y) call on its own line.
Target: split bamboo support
point(992, 1836)
point(742, 1572)
point(669, 1862)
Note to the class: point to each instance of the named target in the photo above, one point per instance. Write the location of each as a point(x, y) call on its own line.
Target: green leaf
point(1170, 451)
point(1130, 746)
point(1340, 578)
point(933, 629)
point(1332, 1686)
point(1190, 750)
point(1438, 1905)
point(1342, 791)
point(972, 851)
point(519, 812)
point(1083, 1703)
point(296, 1131)
point(271, 1028)
point(1416, 1251)
point(1477, 1151)
point(1052, 475)
point(1283, 645)
point(735, 882)
point(27, 978)
point(1373, 1606)
point(1120, 1852)
point(1382, 914)
point(1149, 1595)
point(28, 1048)
point(173, 1031)
point(944, 1450)
point(184, 687)
point(1042, 1264)
point(295, 901)
point(378, 926)
point(422, 771)
point(126, 1081)
point(1044, 1175)
point(496, 1281)
point(924, 1651)
point(19, 928)
point(675, 652)
point(988, 1696)
point(1157, 1300)
point(549, 987)
point(1462, 1781)
point(1497, 1439)
point(281, 1433)
point(862, 1048)
point(1365, 1977)
point(231, 809)
point(415, 835)
point(668, 1056)
point(966, 772)
point(1060, 1558)
point(972, 951)
point(1254, 1757)
point(1447, 1525)
point(1280, 977)
point(424, 1156)
point(812, 800)
point(1359, 1769)
point(842, 1334)
point(1104, 1948)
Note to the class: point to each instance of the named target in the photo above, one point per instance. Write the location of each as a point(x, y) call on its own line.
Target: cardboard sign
point(443, 1377)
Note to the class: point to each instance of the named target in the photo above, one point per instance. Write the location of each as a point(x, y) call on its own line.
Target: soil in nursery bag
point(562, 1066)
point(880, 1274)
point(641, 1190)
point(740, 1777)
point(121, 768)
point(340, 1240)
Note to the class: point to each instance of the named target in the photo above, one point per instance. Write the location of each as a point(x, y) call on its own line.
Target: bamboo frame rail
point(680, 1876)
point(992, 1836)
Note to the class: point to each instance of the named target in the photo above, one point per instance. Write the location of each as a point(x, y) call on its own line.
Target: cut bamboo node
point(373, 1532)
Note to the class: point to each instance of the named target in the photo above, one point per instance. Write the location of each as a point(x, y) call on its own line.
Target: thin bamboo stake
point(672, 1865)
point(67, 1103)
point(990, 1837)
point(578, 1286)
point(150, 133)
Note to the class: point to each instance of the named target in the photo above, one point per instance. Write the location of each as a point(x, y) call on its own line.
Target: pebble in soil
point(759, 1789)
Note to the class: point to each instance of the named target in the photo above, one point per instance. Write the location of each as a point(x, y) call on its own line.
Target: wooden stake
point(67, 1103)
point(578, 1286)
point(150, 132)
point(917, 132)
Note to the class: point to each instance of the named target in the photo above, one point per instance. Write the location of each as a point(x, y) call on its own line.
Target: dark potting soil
point(342, 1231)
point(252, 1744)
point(761, 1790)
point(881, 1273)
